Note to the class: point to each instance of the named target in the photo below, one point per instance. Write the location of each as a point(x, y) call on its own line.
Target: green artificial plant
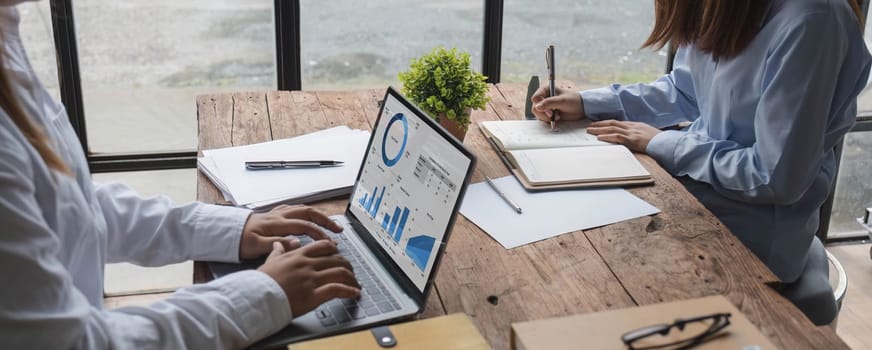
point(442, 83)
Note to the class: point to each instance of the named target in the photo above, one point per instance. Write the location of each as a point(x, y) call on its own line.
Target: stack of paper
point(265, 188)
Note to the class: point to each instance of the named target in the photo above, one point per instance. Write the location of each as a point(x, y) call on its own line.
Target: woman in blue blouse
point(769, 87)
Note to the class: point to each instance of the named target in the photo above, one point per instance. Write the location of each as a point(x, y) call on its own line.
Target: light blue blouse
point(759, 152)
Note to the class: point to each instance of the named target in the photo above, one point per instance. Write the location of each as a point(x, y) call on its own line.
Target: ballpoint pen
point(552, 88)
point(291, 164)
point(503, 195)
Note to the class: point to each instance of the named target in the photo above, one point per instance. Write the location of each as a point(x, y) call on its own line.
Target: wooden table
point(681, 253)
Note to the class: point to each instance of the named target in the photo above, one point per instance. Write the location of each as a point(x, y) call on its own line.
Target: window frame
point(289, 77)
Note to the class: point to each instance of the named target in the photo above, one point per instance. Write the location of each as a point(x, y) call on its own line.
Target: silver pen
point(503, 195)
point(552, 88)
point(291, 164)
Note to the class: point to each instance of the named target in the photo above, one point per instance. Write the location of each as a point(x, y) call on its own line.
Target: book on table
point(569, 158)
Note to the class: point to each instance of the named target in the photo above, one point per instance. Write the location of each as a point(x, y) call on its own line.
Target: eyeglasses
point(694, 331)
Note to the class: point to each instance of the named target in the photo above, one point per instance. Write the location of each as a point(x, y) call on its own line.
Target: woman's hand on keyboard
point(311, 275)
point(264, 229)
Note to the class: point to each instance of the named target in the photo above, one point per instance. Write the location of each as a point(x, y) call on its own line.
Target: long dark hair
point(722, 28)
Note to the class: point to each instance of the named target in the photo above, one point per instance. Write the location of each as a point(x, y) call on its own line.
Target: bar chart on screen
point(393, 220)
point(370, 203)
point(395, 224)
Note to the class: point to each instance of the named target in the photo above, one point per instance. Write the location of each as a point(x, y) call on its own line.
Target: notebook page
point(578, 164)
point(528, 134)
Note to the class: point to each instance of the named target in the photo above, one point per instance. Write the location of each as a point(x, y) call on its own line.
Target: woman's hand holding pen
point(566, 102)
point(634, 135)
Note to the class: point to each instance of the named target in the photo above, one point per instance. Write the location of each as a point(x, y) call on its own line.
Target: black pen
point(291, 164)
point(552, 88)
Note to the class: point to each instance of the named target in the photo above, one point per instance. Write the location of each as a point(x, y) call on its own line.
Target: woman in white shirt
point(58, 229)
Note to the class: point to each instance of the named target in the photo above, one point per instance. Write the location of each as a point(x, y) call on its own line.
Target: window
point(854, 184)
point(124, 278)
point(853, 187)
point(596, 41)
point(364, 44)
point(38, 40)
point(142, 63)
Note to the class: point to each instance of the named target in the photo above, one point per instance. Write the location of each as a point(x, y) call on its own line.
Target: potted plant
point(442, 84)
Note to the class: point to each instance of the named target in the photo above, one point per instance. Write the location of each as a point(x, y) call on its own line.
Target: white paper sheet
point(225, 167)
point(546, 214)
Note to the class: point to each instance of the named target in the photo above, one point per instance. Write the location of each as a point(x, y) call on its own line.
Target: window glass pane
point(123, 278)
point(864, 101)
point(38, 40)
point(143, 63)
point(596, 41)
point(364, 44)
point(854, 186)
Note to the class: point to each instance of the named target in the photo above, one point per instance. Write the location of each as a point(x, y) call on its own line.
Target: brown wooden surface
point(455, 332)
point(681, 253)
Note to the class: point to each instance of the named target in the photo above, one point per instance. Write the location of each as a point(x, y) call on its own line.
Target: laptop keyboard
point(375, 299)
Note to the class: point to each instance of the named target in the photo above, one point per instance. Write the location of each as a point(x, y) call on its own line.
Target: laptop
point(400, 214)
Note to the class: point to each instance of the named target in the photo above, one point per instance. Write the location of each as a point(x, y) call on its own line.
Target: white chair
point(839, 282)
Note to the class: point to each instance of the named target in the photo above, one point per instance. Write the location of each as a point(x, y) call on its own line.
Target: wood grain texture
point(453, 332)
point(214, 129)
point(251, 122)
point(343, 108)
point(783, 323)
point(369, 101)
point(680, 253)
point(294, 113)
point(497, 287)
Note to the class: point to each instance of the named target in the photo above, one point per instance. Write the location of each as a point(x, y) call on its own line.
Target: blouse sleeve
point(665, 102)
point(154, 231)
point(41, 308)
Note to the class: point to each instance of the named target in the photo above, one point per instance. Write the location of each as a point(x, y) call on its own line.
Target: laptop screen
point(408, 188)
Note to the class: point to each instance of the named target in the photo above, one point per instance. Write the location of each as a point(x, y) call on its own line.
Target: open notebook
point(570, 158)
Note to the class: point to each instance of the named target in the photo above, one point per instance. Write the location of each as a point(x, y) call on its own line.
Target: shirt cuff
point(218, 232)
point(662, 148)
point(259, 301)
point(602, 103)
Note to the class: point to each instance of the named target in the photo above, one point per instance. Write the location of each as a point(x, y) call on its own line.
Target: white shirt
point(759, 153)
point(58, 231)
